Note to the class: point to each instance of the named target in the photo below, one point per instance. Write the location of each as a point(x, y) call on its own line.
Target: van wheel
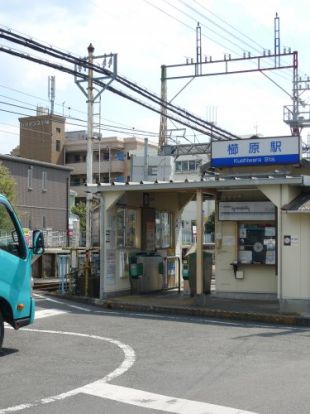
point(1, 330)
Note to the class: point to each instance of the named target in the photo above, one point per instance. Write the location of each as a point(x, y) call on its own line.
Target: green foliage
point(210, 224)
point(7, 184)
point(80, 210)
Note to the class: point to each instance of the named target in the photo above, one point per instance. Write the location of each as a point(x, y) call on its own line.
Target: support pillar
point(199, 243)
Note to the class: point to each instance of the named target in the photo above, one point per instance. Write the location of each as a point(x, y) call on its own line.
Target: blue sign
point(255, 151)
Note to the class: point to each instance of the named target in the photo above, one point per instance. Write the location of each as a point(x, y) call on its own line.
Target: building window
point(44, 181)
point(57, 145)
point(29, 177)
point(178, 166)
point(58, 130)
point(192, 165)
point(44, 222)
point(187, 165)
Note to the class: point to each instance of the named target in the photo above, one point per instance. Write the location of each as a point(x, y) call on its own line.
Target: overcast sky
point(147, 34)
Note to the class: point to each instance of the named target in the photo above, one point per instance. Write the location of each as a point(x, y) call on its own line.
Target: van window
point(10, 237)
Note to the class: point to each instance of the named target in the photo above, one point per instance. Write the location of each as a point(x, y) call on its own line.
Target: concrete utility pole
point(89, 155)
point(106, 71)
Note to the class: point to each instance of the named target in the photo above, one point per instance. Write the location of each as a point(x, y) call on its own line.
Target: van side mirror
point(37, 242)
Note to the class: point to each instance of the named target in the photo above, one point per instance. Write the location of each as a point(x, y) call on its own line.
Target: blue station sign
point(255, 151)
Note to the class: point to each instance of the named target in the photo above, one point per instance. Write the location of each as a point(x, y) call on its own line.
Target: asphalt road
point(78, 358)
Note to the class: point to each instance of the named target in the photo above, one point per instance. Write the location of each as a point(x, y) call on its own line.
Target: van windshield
point(10, 237)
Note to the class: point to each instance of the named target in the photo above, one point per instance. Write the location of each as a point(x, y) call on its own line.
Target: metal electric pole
point(263, 63)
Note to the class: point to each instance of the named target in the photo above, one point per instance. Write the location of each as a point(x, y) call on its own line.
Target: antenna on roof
point(51, 92)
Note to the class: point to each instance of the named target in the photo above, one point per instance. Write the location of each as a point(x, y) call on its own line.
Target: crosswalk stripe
point(156, 401)
point(45, 313)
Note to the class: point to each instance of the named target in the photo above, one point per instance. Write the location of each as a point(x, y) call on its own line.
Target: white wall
point(257, 278)
point(296, 258)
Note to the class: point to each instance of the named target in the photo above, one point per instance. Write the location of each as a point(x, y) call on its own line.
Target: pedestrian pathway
point(211, 306)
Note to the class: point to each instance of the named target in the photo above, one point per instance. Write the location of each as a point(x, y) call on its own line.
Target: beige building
point(111, 158)
point(42, 138)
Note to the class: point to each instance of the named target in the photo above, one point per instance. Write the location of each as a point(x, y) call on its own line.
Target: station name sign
point(255, 151)
point(246, 210)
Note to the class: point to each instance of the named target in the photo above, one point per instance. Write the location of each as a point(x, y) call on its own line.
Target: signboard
point(255, 151)
point(249, 210)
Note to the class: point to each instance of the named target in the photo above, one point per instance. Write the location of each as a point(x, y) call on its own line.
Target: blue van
point(16, 303)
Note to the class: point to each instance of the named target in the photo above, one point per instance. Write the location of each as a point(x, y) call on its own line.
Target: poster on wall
point(256, 245)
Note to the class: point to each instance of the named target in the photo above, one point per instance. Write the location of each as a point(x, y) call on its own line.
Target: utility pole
point(89, 154)
point(109, 60)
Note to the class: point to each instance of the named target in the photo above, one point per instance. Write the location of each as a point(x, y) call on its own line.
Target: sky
point(146, 34)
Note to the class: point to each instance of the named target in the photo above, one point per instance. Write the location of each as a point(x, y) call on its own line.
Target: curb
point(211, 313)
point(277, 319)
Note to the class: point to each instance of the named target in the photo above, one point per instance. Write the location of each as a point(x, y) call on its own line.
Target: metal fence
point(79, 276)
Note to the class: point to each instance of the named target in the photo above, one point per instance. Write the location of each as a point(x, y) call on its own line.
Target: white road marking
point(127, 363)
point(41, 297)
point(45, 313)
point(156, 401)
point(131, 396)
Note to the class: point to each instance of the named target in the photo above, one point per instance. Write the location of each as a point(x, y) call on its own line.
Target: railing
point(56, 238)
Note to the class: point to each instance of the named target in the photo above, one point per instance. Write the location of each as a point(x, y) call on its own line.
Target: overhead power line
point(175, 113)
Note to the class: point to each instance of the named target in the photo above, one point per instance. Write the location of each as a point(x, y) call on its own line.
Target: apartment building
point(42, 192)
point(111, 158)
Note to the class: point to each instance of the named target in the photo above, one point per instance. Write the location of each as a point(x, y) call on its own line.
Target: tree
point(80, 210)
point(16, 151)
point(7, 184)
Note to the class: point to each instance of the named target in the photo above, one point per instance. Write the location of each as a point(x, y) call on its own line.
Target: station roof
point(301, 204)
point(216, 183)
